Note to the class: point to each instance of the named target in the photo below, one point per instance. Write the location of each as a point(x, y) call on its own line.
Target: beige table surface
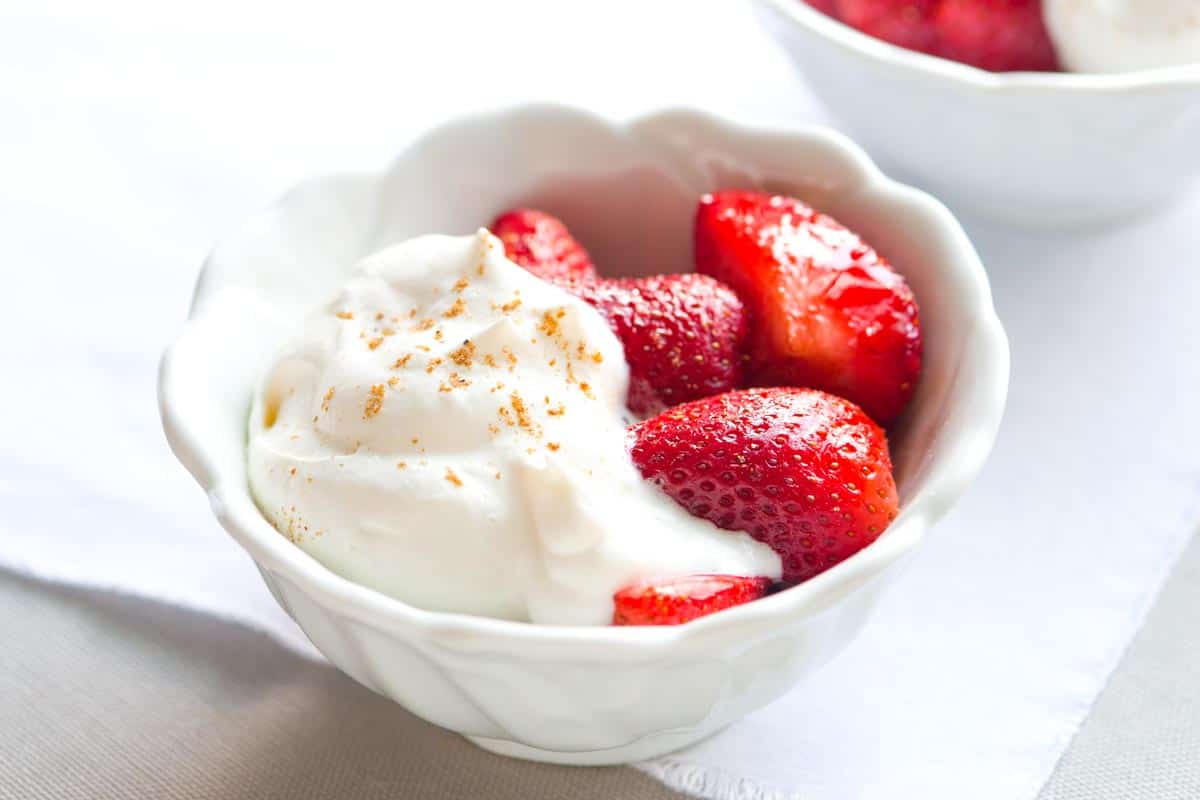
point(105, 697)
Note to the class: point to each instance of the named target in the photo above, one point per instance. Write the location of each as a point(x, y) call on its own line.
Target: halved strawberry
point(541, 244)
point(906, 23)
point(997, 35)
point(828, 7)
point(826, 311)
point(673, 601)
point(802, 471)
point(684, 335)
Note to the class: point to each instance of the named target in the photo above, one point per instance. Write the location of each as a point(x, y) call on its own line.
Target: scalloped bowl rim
point(232, 503)
point(894, 56)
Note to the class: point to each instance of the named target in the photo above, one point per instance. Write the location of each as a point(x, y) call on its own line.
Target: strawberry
point(997, 35)
point(674, 601)
point(683, 335)
point(541, 244)
point(826, 311)
point(906, 23)
point(805, 472)
point(827, 7)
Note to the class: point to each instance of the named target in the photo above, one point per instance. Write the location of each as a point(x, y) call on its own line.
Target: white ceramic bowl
point(1033, 149)
point(571, 694)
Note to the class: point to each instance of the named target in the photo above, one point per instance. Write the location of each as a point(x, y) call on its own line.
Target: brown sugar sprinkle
point(499, 385)
point(509, 307)
point(374, 401)
point(412, 312)
point(455, 381)
point(345, 315)
point(327, 399)
point(458, 309)
point(558, 411)
point(598, 357)
point(507, 416)
point(553, 446)
point(493, 429)
point(490, 360)
point(393, 382)
point(523, 418)
point(497, 476)
point(510, 356)
point(292, 471)
point(549, 324)
point(552, 362)
point(401, 465)
point(378, 316)
point(453, 478)
point(374, 343)
point(423, 348)
point(479, 269)
point(424, 325)
point(461, 283)
point(463, 355)
point(388, 331)
point(438, 335)
point(402, 361)
point(433, 364)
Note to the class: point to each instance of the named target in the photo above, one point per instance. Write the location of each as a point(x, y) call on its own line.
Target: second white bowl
point(1035, 149)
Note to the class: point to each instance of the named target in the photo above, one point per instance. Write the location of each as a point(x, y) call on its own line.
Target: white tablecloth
point(134, 134)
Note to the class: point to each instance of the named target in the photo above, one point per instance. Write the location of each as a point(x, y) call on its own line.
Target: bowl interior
point(629, 193)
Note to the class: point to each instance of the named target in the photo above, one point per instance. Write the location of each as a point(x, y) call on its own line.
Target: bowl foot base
point(640, 750)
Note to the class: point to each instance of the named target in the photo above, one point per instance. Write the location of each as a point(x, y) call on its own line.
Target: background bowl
point(1032, 149)
point(572, 694)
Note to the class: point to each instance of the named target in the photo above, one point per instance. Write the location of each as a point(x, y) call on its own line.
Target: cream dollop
point(450, 430)
point(1124, 35)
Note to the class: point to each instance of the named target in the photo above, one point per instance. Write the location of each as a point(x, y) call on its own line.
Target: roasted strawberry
point(803, 471)
point(673, 601)
point(996, 35)
point(542, 244)
point(684, 335)
point(825, 310)
point(906, 23)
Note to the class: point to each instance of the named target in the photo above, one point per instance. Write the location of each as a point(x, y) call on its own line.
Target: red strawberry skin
point(906, 23)
point(684, 335)
point(674, 601)
point(828, 7)
point(802, 471)
point(996, 35)
point(542, 244)
point(826, 311)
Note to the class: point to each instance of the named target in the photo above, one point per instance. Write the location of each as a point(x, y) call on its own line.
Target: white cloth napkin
point(134, 136)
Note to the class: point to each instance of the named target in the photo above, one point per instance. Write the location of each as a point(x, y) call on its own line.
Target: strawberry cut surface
point(825, 310)
point(674, 601)
point(805, 472)
point(996, 35)
point(906, 23)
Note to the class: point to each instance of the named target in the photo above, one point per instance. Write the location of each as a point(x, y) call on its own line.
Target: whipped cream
point(1124, 35)
point(450, 430)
